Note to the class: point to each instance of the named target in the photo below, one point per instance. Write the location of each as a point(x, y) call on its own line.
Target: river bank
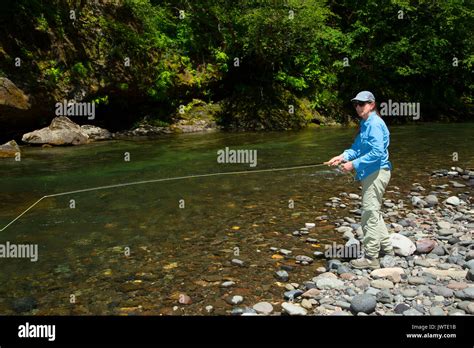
point(63, 131)
point(431, 274)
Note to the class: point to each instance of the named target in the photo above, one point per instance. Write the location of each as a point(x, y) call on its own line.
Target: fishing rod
point(312, 165)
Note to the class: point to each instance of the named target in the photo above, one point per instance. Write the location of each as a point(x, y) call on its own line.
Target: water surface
point(175, 250)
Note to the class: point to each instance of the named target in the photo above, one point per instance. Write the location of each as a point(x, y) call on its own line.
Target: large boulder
point(16, 111)
point(61, 131)
point(9, 149)
point(11, 96)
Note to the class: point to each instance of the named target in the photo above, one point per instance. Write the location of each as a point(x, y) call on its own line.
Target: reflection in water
point(135, 249)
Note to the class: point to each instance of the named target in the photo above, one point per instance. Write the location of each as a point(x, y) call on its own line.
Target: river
point(136, 249)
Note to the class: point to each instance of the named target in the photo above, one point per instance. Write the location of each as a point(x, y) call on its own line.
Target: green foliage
point(404, 50)
point(161, 84)
point(123, 86)
point(288, 51)
point(53, 74)
point(295, 83)
point(42, 23)
point(79, 70)
point(221, 59)
point(104, 100)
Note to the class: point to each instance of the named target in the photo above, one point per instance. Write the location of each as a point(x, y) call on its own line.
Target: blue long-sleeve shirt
point(369, 152)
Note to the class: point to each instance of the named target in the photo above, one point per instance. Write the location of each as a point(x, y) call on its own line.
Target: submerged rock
point(304, 259)
point(282, 275)
point(237, 262)
point(185, 299)
point(237, 299)
point(24, 304)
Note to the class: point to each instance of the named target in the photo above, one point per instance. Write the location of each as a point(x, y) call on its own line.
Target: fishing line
point(165, 179)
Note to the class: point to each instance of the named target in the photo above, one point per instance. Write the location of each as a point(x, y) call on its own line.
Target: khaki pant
point(376, 236)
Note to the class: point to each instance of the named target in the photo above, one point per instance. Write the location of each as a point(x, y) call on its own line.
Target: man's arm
point(375, 140)
point(354, 151)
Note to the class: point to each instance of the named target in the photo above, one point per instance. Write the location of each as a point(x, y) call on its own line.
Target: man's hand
point(347, 167)
point(335, 161)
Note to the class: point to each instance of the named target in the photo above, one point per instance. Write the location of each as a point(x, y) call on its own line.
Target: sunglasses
point(360, 103)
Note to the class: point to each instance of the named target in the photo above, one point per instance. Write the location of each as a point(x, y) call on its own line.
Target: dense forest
point(250, 64)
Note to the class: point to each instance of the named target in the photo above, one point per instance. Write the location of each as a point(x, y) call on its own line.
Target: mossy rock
point(198, 110)
point(254, 108)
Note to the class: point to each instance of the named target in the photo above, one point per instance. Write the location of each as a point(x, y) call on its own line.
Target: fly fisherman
point(368, 155)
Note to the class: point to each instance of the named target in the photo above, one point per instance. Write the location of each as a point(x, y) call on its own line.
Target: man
point(368, 155)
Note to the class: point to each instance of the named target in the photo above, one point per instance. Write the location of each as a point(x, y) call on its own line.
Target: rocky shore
point(63, 131)
point(183, 126)
point(432, 272)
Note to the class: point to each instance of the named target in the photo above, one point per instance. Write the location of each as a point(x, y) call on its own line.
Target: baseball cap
point(363, 96)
